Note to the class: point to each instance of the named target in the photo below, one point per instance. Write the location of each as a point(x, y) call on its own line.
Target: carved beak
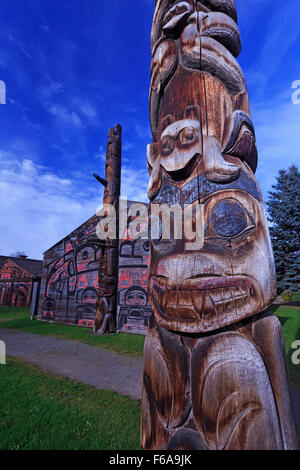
point(217, 169)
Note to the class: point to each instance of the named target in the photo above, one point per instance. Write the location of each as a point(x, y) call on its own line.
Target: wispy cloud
point(270, 30)
point(49, 90)
point(87, 75)
point(78, 112)
point(38, 207)
point(84, 107)
point(101, 153)
point(65, 115)
point(134, 184)
point(277, 125)
point(143, 131)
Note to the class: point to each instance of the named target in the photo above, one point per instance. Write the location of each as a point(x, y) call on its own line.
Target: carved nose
point(184, 267)
point(217, 169)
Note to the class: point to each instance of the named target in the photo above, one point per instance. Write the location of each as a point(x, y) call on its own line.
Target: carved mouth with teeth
point(202, 304)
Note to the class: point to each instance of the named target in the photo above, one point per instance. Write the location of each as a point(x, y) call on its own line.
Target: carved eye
point(167, 144)
point(176, 15)
point(181, 9)
point(187, 135)
point(228, 218)
point(146, 246)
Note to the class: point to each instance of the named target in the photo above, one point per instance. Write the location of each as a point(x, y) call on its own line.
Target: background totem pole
point(106, 309)
point(215, 373)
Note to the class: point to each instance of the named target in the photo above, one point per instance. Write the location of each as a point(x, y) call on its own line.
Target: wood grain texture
point(15, 285)
point(215, 392)
point(214, 367)
point(134, 310)
point(106, 308)
point(70, 280)
point(69, 283)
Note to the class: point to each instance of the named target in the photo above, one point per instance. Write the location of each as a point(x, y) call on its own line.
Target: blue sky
point(73, 68)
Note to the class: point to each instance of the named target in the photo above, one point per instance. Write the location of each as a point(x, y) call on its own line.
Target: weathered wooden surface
point(15, 285)
point(70, 280)
point(214, 367)
point(106, 310)
point(34, 303)
point(216, 391)
point(69, 284)
point(134, 310)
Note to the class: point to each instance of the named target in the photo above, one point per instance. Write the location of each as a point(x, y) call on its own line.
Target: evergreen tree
point(284, 214)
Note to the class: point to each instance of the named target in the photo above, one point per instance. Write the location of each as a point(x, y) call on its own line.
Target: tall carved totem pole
point(106, 309)
point(215, 374)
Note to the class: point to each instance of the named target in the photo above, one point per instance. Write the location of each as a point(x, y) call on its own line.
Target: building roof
point(129, 203)
point(2, 259)
point(32, 266)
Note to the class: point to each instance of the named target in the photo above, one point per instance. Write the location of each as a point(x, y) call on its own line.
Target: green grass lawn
point(296, 297)
point(121, 343)
point(126, 343)
point(290, 320)
point(39, 411)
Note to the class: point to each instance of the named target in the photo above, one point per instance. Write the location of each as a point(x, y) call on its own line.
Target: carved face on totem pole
point(108, 267)
point(204, 151)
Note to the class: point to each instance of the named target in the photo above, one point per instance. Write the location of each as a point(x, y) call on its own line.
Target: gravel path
point(91, 365)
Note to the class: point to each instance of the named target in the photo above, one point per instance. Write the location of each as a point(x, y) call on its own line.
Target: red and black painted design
point(15, 285)
point(70, 278)
point(134, 311)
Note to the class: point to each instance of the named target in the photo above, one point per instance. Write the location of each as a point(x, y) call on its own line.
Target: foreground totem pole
point(215, 373)
point(106, 309)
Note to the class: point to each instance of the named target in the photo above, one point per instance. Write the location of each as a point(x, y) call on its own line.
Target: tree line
point(284, 216)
